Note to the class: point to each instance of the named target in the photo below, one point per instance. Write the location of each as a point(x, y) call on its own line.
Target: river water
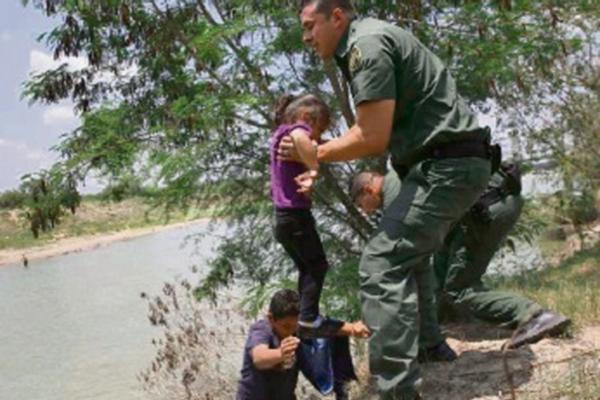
point(74, 327)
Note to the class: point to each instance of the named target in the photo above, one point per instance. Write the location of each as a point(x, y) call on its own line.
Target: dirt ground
point(539, 371)
point(554, 368)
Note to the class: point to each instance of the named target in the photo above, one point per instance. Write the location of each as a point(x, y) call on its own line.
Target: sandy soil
point(537, 371)
point(83, 243)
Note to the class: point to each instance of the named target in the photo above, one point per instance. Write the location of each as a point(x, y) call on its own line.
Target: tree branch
point(252, 69)
point(341, 95)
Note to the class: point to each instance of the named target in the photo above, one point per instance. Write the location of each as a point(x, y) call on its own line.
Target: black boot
point(545, 323)
point(439, 352)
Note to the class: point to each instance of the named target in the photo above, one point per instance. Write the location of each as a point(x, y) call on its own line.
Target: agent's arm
point(369, 136)
point(307, 151)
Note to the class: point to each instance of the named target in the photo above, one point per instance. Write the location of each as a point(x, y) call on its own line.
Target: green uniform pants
point(395, 268)
point(464, 259)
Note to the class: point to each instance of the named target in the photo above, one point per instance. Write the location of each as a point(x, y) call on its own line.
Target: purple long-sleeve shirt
point(284, 190)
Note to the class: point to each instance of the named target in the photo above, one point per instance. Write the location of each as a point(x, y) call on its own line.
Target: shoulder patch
point(355, 59)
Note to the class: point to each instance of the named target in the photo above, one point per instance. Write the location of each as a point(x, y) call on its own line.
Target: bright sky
point(26, 132)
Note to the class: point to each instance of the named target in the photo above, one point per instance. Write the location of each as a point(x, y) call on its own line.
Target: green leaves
point(47, 195)
point(192, 113)
point(106, 142)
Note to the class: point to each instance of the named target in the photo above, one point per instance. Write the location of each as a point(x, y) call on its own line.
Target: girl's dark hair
point(279, 110)
point(288, 107)
point(284, 303)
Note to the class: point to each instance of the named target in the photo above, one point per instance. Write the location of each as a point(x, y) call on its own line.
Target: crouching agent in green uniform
point(406, 104)
point(466, 254)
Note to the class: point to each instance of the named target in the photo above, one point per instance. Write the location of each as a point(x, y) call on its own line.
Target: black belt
point(471, 148)
point(466, 148)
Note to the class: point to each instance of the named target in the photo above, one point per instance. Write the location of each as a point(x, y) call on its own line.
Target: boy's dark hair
point(327, 6)
point(288, 107)
point(285, 303)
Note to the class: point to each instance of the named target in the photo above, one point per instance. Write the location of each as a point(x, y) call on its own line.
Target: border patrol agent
point(465, 256)
point(406, 103)
point(373, 193)
point(467, 252)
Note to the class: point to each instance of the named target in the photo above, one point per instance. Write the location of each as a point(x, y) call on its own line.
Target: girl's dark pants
point(295, 230)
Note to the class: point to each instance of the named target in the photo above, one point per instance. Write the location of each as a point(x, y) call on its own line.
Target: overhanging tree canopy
point(183, 89)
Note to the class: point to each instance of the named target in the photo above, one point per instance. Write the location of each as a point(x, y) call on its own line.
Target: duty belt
point(465, 148)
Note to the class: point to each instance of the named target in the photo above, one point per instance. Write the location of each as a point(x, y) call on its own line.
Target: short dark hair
point(327, 6)
point(358, 184)
point(284, 303)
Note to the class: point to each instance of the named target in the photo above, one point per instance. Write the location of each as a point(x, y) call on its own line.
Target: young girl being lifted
point(303, 118)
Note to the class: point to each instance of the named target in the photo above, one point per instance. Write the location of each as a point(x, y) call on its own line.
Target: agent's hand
point(306, 181)
point(287, 151)
point(360, 330)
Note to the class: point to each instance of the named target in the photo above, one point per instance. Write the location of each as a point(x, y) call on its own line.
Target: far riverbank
point(96, 223)
point(83, 243)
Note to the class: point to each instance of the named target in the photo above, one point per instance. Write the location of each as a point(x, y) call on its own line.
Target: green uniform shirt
point(383, 61)
point(391, 187)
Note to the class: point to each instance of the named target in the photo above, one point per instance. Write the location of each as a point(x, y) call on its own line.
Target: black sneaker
point(546, 323)
point(321, 327)
point(441, 352)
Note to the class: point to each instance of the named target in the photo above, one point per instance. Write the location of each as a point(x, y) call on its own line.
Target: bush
point(48, 194)
point(580, 208)
point(198, 353)
point(12, 199)
point(124, 188)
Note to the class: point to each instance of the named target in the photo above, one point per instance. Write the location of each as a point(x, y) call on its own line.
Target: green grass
point(550, 248)
point(93, 217)
point(580, 382)
point(571, 288)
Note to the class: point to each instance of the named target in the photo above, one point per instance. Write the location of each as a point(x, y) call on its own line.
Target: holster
point(510, 186)
point(512, 181)
point(495, 156)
